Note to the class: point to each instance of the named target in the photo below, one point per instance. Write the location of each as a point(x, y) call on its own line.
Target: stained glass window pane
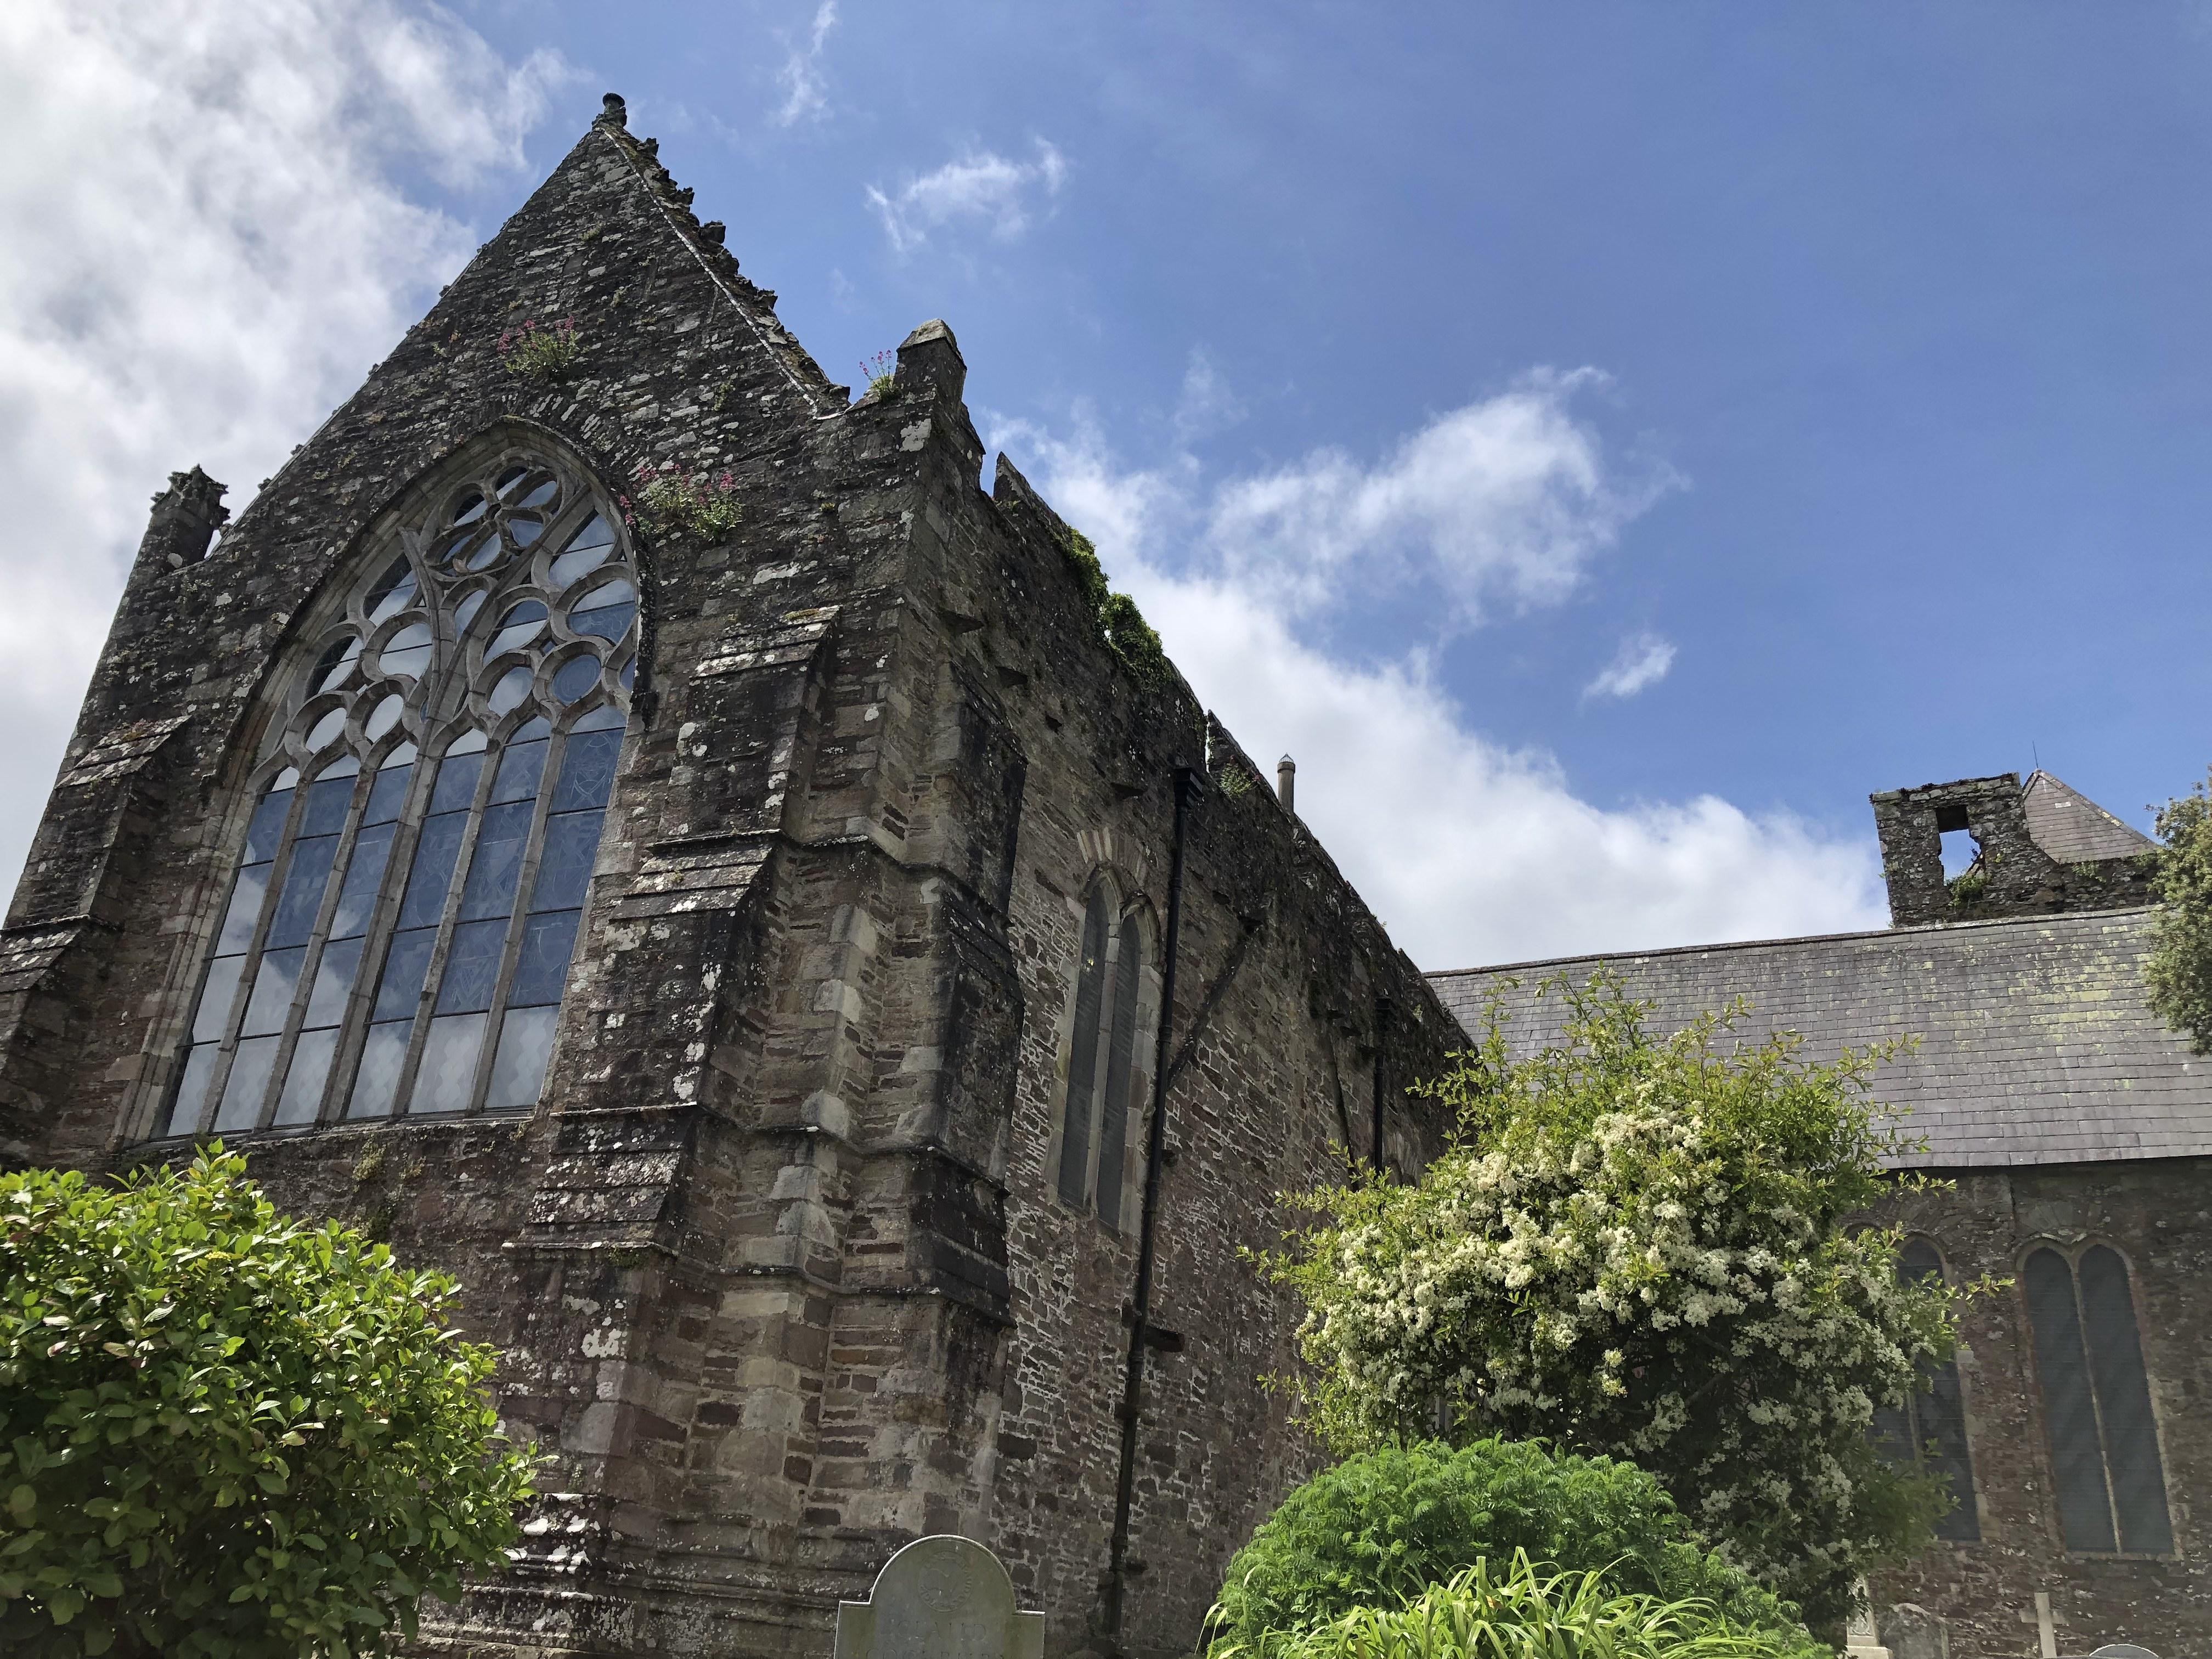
point(496, 864)
point(392, 591)
point(382, 718)
point(310, 872)
point(274, 982)
point(303, 1083)
point(334, 979)
point(587, 770)
point(364, 875)
point(471, 967)
point(376, 1083)
point(249, 1083)
point(526, 531)
point(267, 828)
point(1114, 1108)
point(191, 1094)
point(327, 730)
point(511, 689)
point(387, 795)
point(2116, 1365)
point(328, 798)
point(457, 781)
point(335, 664)
point(222, 989)
point(449, 1064)
point(518, 1072)
point(524, 621)
point(408, 961)
point(520, 768)
point(564, 865)
point(541, 971)
point(435, 854)
point(573, 679)
point(1083, 1056)
point(244, 908)
point(2076, 1460)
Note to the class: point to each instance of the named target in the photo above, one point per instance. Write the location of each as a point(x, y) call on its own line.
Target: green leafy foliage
point(547, 355)
point(1637, 1246)
point(2179, 968)
point(1380, 1527)
point(669, 501)
point(1121, 625)
point(225, 1434)
point(1518, 1611)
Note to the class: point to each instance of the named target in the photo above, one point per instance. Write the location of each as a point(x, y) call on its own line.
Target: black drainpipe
point(1155, 1144)
point(1382, 1032)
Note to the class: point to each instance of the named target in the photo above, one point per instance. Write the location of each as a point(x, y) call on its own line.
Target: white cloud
point(1506, 500)
point(805, 92)
point(1207, 404)
point(205, 251)
point(1471, 852)
point(1642, 662)
point(982, 186)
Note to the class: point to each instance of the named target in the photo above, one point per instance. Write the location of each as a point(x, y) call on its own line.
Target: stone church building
point(2074, 1426)
point(656, 838)
point(650, 835)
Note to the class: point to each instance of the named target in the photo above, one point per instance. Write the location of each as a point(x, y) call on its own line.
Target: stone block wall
point(2015, 877)
point(2158, 1217)
point(779, 1266)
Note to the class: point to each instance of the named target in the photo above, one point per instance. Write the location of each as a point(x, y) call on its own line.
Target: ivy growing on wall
point(2179, 968)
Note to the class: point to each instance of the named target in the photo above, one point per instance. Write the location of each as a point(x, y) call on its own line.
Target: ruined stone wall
point(2157, 1216)
point(2016, 877)
point(779, 1265)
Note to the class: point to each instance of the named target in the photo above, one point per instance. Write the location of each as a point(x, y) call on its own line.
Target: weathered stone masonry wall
point(779, 1266)
point(2158, 1216)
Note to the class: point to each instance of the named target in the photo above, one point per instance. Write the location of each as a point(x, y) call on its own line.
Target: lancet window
point(1928, 1430)
point(1103, 1068)
point(397, 935)
point(2104, 1462)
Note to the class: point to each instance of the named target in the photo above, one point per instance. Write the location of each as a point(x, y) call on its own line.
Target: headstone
point(1911, 1631)
point(2122, 1650)
point(1860, 1640)
point(945, 1597)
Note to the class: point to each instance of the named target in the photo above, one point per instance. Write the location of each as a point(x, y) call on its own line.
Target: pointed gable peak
point(2073, 828)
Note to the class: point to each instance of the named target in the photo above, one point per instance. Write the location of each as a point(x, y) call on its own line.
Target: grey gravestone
point(945, 1597)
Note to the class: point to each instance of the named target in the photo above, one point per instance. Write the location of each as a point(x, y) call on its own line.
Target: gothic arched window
point(426, 814)
point(1102, 1065)
point(2104, 1460)
point(1930, 1429)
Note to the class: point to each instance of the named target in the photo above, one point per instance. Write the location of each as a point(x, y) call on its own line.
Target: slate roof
point(2073, 828)
point(2037, 1045)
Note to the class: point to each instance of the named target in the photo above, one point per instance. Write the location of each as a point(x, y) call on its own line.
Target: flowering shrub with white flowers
point(1636, 1246)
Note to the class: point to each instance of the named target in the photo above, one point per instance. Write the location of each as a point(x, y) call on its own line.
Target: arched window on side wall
point(398, 933)
point(2105, 1459)
point(1929, 1429)
point(1102, 1065)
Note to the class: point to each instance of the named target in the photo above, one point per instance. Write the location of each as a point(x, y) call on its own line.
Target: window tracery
point(2105, 1467)
point(398, 932)
point(1102, 1067)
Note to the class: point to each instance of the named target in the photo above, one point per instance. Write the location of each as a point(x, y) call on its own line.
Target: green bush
point(1523, 1613)
point(1378, 1529)
point(225, 1434)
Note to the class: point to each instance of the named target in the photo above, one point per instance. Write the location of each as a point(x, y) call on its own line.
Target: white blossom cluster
point(1638, 1250)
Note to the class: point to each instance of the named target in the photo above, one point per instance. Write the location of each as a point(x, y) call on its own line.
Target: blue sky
point(1604, 442)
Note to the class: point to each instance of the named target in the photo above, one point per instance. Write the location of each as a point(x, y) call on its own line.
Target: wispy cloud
point(1473, 852)
point(1642, 662)
point(805, 92)
point(1207, 404)
point(206, 249)
point(1500, 502)
point(981, 187)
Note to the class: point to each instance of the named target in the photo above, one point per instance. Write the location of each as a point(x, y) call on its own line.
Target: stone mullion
point(319, 938)
point(433, 976)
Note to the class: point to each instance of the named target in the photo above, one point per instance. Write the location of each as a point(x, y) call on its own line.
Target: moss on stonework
point(1132, 640)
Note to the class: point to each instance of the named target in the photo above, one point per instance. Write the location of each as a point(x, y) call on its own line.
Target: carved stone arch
point(485, 624)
